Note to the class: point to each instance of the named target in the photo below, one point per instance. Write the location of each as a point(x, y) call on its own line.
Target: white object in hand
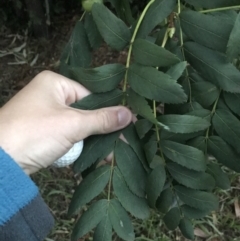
point(71, 156)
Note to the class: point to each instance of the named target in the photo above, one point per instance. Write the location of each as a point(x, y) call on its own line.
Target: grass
point(57, 187)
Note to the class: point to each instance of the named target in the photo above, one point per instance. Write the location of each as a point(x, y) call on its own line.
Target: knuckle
point(105, 120)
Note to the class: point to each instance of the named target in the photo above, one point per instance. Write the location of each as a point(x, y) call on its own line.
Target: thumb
point(107, 120)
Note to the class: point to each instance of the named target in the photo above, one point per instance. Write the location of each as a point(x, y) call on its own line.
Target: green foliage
point(182, 81)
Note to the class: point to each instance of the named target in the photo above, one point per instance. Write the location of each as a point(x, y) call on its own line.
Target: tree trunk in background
point(37, 18)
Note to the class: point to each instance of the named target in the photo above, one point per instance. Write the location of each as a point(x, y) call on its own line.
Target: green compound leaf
point(224, 153)
point(194, 213)
point(232, 101)
point(89, 188)
point(100, 79)
point(120, 220)
point(215, 31)
point(137, 206)
point(186, 228)
point(184, 123)
point(95, 148)
point(233, 47)
point(198, 142)
point(155, 85)
point(93, 34)
point(157, 12)
point(184, 155)
point(177, 70)
point(213, 3)
point(143, 127)
point(99, 100)
point(213, 66)
point(190, 178)
point(140, 106)
point(203, 113)
point(205, 93)
point(228, 127)
point(90, 219)
point(151, 148)
point(165, 200)
point(77, 52)
point(113, 30)
point(128, 163)
point(197, 199)
point(149, 54)
point(220, 177)
point(103, 232)
point(172, 218)
point(155, 183)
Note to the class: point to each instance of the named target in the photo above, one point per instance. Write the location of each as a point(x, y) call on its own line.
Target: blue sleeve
point(23, 213)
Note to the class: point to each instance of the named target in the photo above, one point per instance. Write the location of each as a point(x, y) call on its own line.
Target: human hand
point(37, 126)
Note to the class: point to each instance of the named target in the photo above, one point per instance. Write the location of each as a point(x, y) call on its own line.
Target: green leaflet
point(113, 30)
point(90, 219)
point(220, 177)
point(157, 12)
point(99, 100)
point(203, 113)
point(184, 123)
point(213, 3)
point(149, 54)
point(155, 183)
point(184, 155)
point(132, 138)
point(128, 163)
point(228, 127)
point(89, 188)
point(165, 200)
point(151, 148)
point(213, 66)
point(100, 79)
point(120, 220)
point(140, 106)
point(157, 160)
point(232, 101)
point(103, 232)
point(93, 34)
point(155, 85)
point(172, 218)
point(77, 52)
point(190, 178)
point(223, 153)
point(143, 127)
point(186, 228)
point(194, 213)
point(197, 199)
point(198, 142)
point(215, 31)
point(205, 93)
point(176, 71)
point(95, 148)
point(233, 47)
point(137, 206)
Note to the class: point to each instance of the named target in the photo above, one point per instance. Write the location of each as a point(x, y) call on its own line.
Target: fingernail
point(124, 117)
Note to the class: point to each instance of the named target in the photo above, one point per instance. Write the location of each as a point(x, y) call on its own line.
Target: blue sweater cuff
point(16, 188)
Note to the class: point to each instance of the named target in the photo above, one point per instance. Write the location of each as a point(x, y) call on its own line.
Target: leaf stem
point(82, 16)
point(110, 180)
point(131, 44)
point(220, 9)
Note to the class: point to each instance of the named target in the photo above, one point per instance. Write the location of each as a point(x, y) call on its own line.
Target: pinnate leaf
point(172, 218)
point(194, 213)
point(190, 178)
point(120, 220)
point(165, 200)
point(197, 199)
point(128, 163)
point(155, 85)
point(177, 70)
point(90, 187)
point(232, 101)
point(184, 123)
point(149, 54)
point(100, 79)
point(103, 232)
point(113, 30)
point(143, 127)
point(137, 206)
point(155, 183)
point(213, 3)
point(186, 228)
point(90, 219)
point(184, 155)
